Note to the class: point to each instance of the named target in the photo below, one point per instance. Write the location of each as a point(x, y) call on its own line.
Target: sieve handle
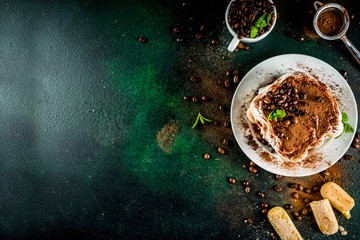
point(317, 5)
point(351, 48)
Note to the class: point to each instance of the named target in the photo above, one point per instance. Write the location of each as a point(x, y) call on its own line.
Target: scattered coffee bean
point(348, 157)
point(142, 39)
point(344, 73)
point(352, 16)
point(176, 30)
point(221, 107)
point(356, 140)
point(231, 180)
point(179, 39)
point(228, 73)
point(216, 123)
point(316, 188)
point(193, 79)
point(273, 237)
point(245, 183)
point(299, 218)
point(236, 72)
point(186, 98)
point(304, 212)
point(253, 170)
point(202, 28)
point(226, 124)
point(293, 185)
point(289, 206)
point(221, 150)
point(247, 189)
point(198, 36)
point(191, 60)
point(308, 190)
point(227, 83)
point(261, 194)
point(300, 187)
point(225, 142)
point(192, 18)
point(278, 177)
point(223, 57)
point(265, 205)
point(325, 173)
point(306, 200)
point(252, 164)
point(296, 214)
point(355, 145)
point(204, 98)
point(215, 42)
point(264, 211)
point(295, 195)
point(206, 156)
point(195, 99)
point(278, 188)
point(250, 221)
point(236, 79)
point(300, 38)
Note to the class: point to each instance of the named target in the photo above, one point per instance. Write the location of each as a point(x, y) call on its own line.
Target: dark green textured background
point(82, 102)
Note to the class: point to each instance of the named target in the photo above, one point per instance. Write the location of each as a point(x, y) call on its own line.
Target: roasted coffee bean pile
point(244, 13)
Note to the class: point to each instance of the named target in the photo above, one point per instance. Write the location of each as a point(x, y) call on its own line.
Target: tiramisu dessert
point(295, 113)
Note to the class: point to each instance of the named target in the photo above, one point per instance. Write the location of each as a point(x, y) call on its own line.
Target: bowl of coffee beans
point(249, 21)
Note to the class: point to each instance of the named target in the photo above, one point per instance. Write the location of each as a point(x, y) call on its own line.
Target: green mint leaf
point(202, 120)
point(206, 119)
point(348, 128)
point(197, 121)
point(271, 115)
point(280, 113)
point(275, 117)
point(344, 117)
point(340, 134)
point(263, 21)
point(253, 31)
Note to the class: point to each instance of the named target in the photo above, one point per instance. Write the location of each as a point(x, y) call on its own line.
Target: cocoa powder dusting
point(330, 23)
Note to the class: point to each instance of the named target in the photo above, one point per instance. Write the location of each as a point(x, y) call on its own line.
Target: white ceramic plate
point(318, 159)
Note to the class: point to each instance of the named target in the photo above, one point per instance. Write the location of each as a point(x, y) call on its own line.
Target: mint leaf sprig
point(275, 114)
point(202, 119)
point(347, 127)
point(262, 22)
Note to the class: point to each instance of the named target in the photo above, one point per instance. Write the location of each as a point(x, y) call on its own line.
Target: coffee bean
point(348, 157)
point(179, 39)
point(287, 122)
point(221, 150)
point(236, 72)
point(355, 145)
point(265, 205)
point(227, 83)
point(192, 18)
point(252, 164)
point(308, 190)
point(184, 4)
point(223, 57)
point(289, 206)
point(352, 16)
point(300, 187)
point(215, 42)
point(278, 177)
point(226, 124)
point(344, 73)
point(193, 79)
point(306, 200)
point(300, 38)
point(216, 123)
point(186, 98)
point(293, 185)
point(278, 188)
point(299, 218)
point(325, 173)
point(206, 156)
point(264, 211)
point(246, 47)
point(247, 189)
point(236, 79)
point(225, 142)
point(245, 183)
point(261, 194)
point(142, 39)
point(250, 221)
point(295, 195)
point(253, 170)
point(202, 27)
point(195, 99)
point(204, 98)
point(221, 107)
point(231, 180)
point(191, 60)
point(356, 140)
point(176, 30)
point(274, 237)
point(228, 73)
point(315, 188)
point(304, 212)
point(296, 214)
point(198, 36)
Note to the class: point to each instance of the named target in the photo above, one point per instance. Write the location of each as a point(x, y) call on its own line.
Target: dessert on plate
point(295, 113)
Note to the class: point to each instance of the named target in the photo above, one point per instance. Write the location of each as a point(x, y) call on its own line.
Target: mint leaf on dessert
point(347, 127)
point(254, 30)
point(275, 114)
point(202, 119)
